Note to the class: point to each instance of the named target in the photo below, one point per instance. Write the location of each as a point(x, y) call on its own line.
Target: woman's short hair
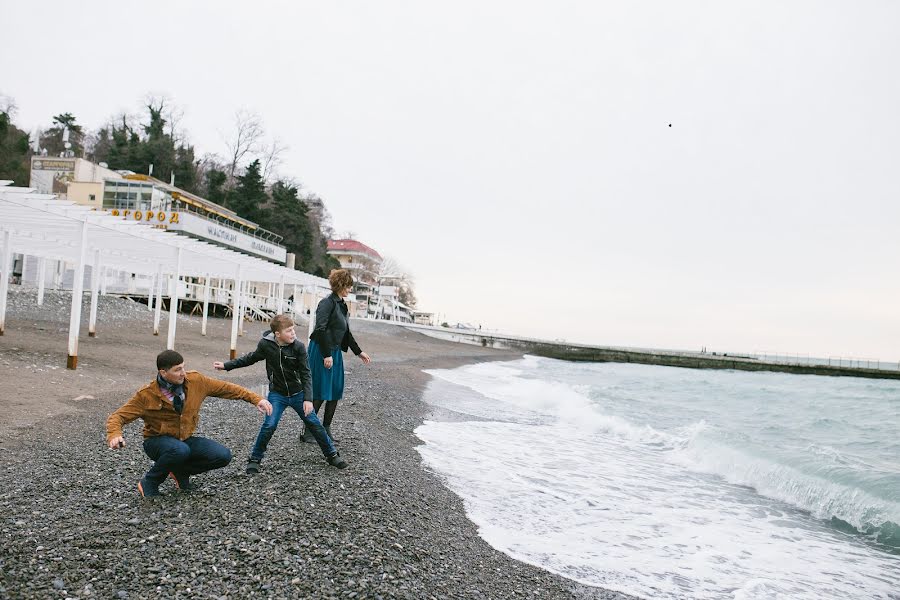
point(280, 323)
point(340, 279)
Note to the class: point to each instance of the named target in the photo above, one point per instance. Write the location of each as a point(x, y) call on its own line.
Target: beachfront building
point(364, 264)
point(143, 199)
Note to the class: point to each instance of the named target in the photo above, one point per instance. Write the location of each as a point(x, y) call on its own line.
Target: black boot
point(337, 461)
point(330, 407)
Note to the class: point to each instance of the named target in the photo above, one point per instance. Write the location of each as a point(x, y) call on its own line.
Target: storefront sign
point(149, 216)
point(205, 229)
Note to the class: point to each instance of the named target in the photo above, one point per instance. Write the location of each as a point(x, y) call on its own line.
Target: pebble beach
point(73, 525)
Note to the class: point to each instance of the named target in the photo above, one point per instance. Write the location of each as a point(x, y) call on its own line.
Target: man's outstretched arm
point(128, 412)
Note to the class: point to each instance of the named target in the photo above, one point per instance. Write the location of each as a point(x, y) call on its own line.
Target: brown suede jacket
point(159, 415)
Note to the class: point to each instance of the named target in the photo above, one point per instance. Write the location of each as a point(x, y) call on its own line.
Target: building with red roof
point(364, 264)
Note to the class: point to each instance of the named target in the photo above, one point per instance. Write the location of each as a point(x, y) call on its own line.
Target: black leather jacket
point(332, 327)
point(286, 366)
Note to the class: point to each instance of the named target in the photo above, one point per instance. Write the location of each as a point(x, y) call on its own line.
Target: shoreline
point(386, 527)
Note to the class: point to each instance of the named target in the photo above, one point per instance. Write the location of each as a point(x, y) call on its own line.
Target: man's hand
point(117, 442)
point(365, 358)
point(329, 362)
point(307, 408)
point(219, 366)
point(264, 407)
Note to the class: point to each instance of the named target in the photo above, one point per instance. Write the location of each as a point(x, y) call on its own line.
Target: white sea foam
point(656, 511)
point(823, 498)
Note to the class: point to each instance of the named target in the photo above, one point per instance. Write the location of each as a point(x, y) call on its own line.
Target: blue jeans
point(189, 457)
point(280, 403)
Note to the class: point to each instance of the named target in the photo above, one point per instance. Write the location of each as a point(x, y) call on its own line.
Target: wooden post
point(42, 275)
point(5, 272)
point(205, 304)
point(77, 291)
point(235, 302)
point(95, 287)
point(173, 301)
point(158, 307)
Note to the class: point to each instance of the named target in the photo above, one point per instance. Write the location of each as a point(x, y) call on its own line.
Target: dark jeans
point(281, 403)
point(192, 456)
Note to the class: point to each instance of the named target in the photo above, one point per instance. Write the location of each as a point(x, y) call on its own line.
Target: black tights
point(330, 405)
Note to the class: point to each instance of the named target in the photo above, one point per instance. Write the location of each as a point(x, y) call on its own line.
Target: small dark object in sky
point(670, 124)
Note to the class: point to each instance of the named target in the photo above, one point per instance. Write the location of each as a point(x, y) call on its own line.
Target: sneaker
point(182, 482)
point(331, 435)
point(307, 437)
point(147, 488)
point(252, 467)
point(337, 461)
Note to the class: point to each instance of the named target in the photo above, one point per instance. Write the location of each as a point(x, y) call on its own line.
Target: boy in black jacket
point(290, 386)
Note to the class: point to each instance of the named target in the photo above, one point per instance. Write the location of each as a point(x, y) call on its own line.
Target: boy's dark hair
point(280, 322)
point(167, 359)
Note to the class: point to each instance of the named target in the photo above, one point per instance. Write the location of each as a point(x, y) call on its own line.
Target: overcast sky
point(516, 157)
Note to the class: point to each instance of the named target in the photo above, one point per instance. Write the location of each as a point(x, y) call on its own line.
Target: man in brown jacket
point(170, 408)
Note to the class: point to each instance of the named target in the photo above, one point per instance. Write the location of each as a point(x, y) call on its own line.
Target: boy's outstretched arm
point(242, 361)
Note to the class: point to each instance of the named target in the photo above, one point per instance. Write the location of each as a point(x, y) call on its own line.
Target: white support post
point(205, 304)
point(173, 301)
point(150, 291)
point(42, 276)
point(77, 291)
point(158, 307)
point(57, 274)
point(243, 296)
point(5, 272)
point(95, 287)
point(235, 297)
point(281, 295)
point(103, 273)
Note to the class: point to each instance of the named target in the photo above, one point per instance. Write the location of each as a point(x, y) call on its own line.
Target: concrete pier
point(689, 360)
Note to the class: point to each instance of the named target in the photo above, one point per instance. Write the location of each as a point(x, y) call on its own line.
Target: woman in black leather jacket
point(329, 339)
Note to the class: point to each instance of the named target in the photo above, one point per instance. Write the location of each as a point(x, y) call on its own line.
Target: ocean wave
point(828, 500)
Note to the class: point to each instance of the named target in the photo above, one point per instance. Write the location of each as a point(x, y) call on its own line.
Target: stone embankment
point(690, 360)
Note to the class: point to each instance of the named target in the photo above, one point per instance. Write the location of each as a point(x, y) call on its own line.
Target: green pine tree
point(290, 220)
point(14, 152)
point(249, 198)
point(52, 139)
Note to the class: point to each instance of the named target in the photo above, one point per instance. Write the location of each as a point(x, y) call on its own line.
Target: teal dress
point(327, 384)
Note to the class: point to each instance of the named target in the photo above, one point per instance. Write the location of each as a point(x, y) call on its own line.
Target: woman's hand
point(329, 362)
point(365, 358)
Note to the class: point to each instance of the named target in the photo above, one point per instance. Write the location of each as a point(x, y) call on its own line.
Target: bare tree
point(271, 158)
point(8, 105)
point(244, 140)
point(391, 273)
point(172, 113)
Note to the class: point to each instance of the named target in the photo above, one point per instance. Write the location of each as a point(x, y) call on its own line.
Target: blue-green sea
point(678, 483)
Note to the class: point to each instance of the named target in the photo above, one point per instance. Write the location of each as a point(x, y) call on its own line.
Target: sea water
point(677, 483)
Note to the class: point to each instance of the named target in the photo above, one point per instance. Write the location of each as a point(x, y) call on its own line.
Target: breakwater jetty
point(670, 358)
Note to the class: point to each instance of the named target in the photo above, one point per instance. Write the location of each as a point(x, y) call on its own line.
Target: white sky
point(516, 156)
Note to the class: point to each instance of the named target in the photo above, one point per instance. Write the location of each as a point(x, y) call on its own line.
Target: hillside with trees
point(246, 181)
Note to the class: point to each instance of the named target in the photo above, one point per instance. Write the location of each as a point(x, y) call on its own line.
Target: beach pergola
point(46, 227)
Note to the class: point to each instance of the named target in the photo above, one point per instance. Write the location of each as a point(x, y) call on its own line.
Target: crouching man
point(170, 408)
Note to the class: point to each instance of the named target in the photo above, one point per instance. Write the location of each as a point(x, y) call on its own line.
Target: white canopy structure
point(43, 226)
